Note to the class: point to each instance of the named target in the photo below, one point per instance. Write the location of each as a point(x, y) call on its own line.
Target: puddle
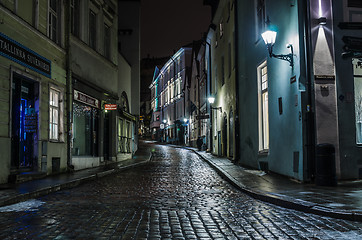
point(30, 205)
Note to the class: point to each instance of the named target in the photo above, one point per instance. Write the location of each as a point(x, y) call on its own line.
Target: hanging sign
point(84, 98)
point(110, 106)
point(16, 52)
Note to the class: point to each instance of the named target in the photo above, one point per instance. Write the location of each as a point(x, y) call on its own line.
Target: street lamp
point(211, 100)
point(269, 37)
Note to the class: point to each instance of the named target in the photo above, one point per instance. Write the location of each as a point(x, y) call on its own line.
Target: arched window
point(124, 102)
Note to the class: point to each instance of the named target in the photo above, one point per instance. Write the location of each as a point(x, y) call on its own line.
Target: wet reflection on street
point(174, 196)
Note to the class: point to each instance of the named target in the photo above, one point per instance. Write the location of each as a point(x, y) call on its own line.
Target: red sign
point(110, 106)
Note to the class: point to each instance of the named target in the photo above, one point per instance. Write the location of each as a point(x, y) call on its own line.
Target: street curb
point(67, 185)
point(284, 201)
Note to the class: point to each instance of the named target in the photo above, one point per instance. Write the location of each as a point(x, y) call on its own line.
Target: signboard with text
point(110, 106)
point(84, 98)
point(16, 52)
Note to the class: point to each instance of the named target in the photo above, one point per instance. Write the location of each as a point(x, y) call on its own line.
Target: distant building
point(147, 71)
point(168, 99)
point(222, 73)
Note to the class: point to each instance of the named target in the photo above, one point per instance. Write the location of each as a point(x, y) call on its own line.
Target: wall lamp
point(269, 37)
point(211, 101)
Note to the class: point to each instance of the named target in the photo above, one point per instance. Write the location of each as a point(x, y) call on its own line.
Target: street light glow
point(211, 100)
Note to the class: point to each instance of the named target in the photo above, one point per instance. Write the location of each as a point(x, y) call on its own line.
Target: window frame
point(59, 109)
point(260, 18)
point(92, 35)
point(263, 108)
point(57, 15)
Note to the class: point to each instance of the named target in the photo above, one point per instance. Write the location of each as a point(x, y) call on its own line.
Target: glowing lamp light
point(269, 37)
point(211, 100)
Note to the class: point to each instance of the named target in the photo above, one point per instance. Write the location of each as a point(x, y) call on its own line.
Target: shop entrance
point(24, 124)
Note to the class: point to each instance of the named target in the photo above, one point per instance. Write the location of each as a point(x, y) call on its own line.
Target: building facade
point(33, 88)
point(63, 87)
point(168, 99)
point(221, 42)
point(288, 108)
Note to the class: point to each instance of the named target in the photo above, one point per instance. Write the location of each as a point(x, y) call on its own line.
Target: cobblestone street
point(175, 196)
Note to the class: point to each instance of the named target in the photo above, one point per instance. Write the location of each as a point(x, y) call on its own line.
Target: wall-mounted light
point(322, 21)
point(269, 37)
point(211, 100)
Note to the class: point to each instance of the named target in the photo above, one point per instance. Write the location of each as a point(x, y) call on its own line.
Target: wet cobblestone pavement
point(175, 196)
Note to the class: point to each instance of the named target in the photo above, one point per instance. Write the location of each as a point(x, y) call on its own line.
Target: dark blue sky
point(167, 25)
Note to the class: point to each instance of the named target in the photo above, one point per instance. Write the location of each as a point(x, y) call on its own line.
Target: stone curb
point(67, 185)
point(284, 201)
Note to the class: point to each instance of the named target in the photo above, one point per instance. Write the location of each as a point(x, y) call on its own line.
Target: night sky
point(167, 25)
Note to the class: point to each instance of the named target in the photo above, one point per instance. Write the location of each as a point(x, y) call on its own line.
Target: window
point(75, 17)
point(221, 28)
point(352, 10)
point(107, 41)
point(92, 29)
point(357, 67)
point(260, 17)
point(85, 130)
point(229, 56)
point(25, 10)
point(53, 20)
point(54, 115)
point(263, 107)
point(222, 71)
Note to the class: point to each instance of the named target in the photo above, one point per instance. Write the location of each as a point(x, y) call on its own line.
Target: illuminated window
point(263, 107)
point(221, 28)
point(222, 71)
point(54, 98)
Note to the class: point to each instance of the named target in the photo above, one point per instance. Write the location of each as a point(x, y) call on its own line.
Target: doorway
point(224, 136)
point(24, 126)
point(106, 136)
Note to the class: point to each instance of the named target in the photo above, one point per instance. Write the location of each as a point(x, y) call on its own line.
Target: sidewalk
point(343, 201)
point(15, 193)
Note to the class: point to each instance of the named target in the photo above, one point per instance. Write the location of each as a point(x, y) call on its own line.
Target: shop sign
point(110, 106)
point(16, 52)
point(84, 98)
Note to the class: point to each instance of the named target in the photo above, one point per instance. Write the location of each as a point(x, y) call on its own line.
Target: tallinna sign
point(16, 52)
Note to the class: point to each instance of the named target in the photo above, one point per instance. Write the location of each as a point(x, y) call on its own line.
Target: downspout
point(69, 94)
point(309, 163)
point(237, 128)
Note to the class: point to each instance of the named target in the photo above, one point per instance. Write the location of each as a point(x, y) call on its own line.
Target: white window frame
point(263, 107)
point(56, 107)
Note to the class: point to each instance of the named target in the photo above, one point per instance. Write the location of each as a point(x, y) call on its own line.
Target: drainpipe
point(236, 59)
point(308, 165)
point(69, 92)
